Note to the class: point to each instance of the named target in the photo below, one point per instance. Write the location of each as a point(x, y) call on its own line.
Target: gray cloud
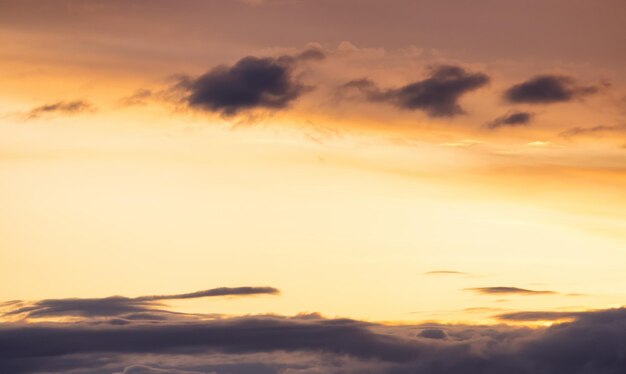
point(438, 95)
point(143, 307)
point(61, 107)
point(546, 89)
point(592, 344)
point(433, 334)
point(512, 119)
point(507, 291)
point(252, 82)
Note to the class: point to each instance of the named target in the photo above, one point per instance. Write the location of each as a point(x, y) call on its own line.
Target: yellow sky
point(342, 205)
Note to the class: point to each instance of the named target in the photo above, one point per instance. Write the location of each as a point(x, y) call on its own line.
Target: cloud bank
point(592, 343)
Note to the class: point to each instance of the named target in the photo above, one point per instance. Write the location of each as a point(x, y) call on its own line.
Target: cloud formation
point(61, 107)
point(251, 83)
point(547, 89)
point(507, 291)
point(438, 95)
point(138, 308)
point(593, 343)
point(512, 119)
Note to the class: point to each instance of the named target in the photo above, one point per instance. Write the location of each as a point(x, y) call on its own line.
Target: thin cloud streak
point(508, 291)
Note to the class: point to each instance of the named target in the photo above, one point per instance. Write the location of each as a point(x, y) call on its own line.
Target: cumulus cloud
point(507, 291)
point(138, 308)
point(251, 83)
point(438, 95)
point(546, 89)
point(512, 119)
point(60, 107)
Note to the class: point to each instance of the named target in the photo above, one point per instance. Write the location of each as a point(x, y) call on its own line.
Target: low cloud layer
point(438, 95)
point(60, 107)
point(508, 291)
point(593, 343)
point(546, 89)
point(250, 83)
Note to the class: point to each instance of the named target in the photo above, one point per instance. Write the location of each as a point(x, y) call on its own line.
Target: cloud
point(593, 343)
point(252, 82)
point(596, 130)
point(538, 316)
point(139, 97)
point(144, 369)
point(438, 95)
point(507, 291)
point(445, 272)
point(61, 107)
point(546, 89)
point(433, 334)
point(512, 119)
point(138, 308)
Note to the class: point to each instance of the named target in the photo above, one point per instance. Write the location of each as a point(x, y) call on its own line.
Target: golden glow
point(344, 212)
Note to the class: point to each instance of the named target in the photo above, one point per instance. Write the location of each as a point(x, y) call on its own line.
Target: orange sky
point(113, 182)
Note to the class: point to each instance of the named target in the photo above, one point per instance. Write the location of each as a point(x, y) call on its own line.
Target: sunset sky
point(385, 166)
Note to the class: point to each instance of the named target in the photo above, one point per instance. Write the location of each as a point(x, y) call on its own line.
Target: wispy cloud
point(508, 291)
point(142, 307)
point(445, 272)
point(60, 107)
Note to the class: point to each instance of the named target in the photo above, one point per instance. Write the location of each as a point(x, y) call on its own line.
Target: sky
point(358, 186)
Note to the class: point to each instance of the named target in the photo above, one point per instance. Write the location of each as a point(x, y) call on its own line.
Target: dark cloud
point(513, 119)
point(593, 343)
point(546, 89)
point(61, 107)
point(433, 334)
point(507, 291)
point(445, 272)
point(236, 335)
point(144, 369)
point(595, 131)
point(252, 82)
point(438, 95)
point(143, 307)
